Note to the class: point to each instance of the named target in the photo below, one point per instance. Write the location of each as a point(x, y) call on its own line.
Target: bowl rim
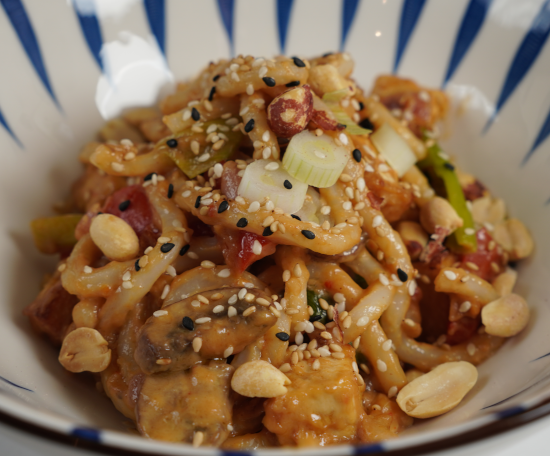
point(62, 430)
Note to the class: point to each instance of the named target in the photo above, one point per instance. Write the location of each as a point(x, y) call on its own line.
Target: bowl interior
point(51, 104)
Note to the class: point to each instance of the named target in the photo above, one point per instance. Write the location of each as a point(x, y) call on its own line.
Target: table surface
point(532, 439)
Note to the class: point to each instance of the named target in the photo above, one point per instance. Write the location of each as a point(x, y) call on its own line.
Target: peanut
point(114, 237)
point(85, 349)
point(513, 236)
point(259, 379)
point(289, 113)
point(506, 316)
point(488, 210)
point(439, 212)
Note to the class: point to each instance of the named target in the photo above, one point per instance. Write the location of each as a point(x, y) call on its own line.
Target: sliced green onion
point(336, 96)
point(394, 149)
point(267, 178)
point(315, 160)
point(55, 234)
point(313, 302)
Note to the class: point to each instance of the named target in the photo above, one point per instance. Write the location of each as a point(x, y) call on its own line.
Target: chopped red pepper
point(483, 257)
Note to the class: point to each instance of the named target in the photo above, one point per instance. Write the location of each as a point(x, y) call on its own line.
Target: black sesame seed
point(249, 126)
point(270, 82)
point(283, 336)
point(224, 205)
point(184, 249)
point(148, 177)
point(315, 318)
point(242, 223)
point(211, 94)
point(172, 143)
point(136, 265)
point(357, 155)
point(308, 234)
point(99, 213)
point(361, 106)
point(449, 166)
point(195, 114)
point(267, 231)
point(293, 84)
point(298, 62)
point(124, 205)
point(165, 248)
point(170, 191)
point(328, 54)
point(295, 217)
point(215, 78)
point(402, 275)
point(187, 323)
point(230, 359)
point(198, 202)
point(341, 126)
point(287, 184)
point(367, 124)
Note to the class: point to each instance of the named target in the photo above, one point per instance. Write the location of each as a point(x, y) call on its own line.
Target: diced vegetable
point(309, 211)
point(445, 182)
point(336, 96)
point(55, 234)
point(313, 302)
point(193, 165)
point(260, 179)
point(394, 149)
point(315, 160)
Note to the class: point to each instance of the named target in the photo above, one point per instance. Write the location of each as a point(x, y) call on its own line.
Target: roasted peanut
point(414, 237)
point(438, 391)
point(289, 113)
point(439, 212)
point(506, 316)
point(488, 210)
point(322, 116)
point(326, 78)
point(85, 349)
point(513, 236)
point(259, 379)
point(504, 283)
point(114, 237)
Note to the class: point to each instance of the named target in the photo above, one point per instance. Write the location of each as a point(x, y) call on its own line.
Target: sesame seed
point(242, 293)
point(316, 365)
point(211, 94)
point(270, 82)
point(165, 248)
point(198, 438)
point(249, 311)
point(345, 177)
point(402, 275)
point(228, 352)
point(172, 142)
point(249, 297)
point(160, 313)
point(297, 271)
point(338, 355)
point(249, 126)
point(257, 248)
point(224, 273)
point(224, 205)
point(412, 287)
point(170, 270)
point(471, 349)
point(326, 335)
point(231, 311)
point(469, 231)
point(472, 266)
point(254, 206)
point(409, 322)
point(465, 306)
point(250, 89)
point(287, 184)
point(450, 275)
point(377, 221)
point(88, 270)
point(296, 217)
point(262, 72)
point(207, 264)
point(343, 138)
point(383, 279)
point(202, 320)
point(387, 345)
point(218, 309)
point(270, 205)
point(198, 202)
point(381, 365)
point(285, 368)
point(186, 193)
point(308, 234)
point(392, 391)
point(320, 154)
point(206, 155)
point(335, 347)
point(187, 323)
point(193, 255)
point(124, 205)
point(324, 351)
point(298, 62)
point(242, 222)
point(293, 84)
point(266, 153)
point(363, 321)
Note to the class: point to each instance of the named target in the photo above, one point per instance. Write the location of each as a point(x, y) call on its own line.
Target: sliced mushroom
point(214, 327)
point(175, 406)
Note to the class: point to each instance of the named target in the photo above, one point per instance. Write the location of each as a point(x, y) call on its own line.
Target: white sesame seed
point(285, 368)
point(254, 206)
point(195, 147)
point(316, 365)
point(450, 275)
point(377, 221)
point(186, 193)
point(470, 231)
point(383, 168)
point(224, 273)
point(320, 154)
point(242, 293)
point(165, 291)
point(196, 303)
point(249, 89)
point(471, 349)
point(270, 205)
point(272, 166)
point(198, 439)
point(160, 313)
point(409, 322)
point(88, 270)
point(257, 248)
point(231, 311)
point(203, 157)
point(118, 167)
point(266, 153)
point(192, 255)
point(170, 270)
point(412, 287)
point(349, 192)
point(202, 320)
point(343, 138)
point(127, 285)
point(324, 351)
point(465, 306)
point(186, 115)
point(266, 136)
point(361, 184)
point(262, 72)
point(299, 338)
point(163, 240)
point(392, 391)
point(381, 365)
point(387, 345)
point(228, 352)
point(218, 309)
point(127, 276)
point(383, 279)
point(363, 321)
point(369, 168)
point(339, 297)
point(235, 76)
point(347, 205)
point(325, 210)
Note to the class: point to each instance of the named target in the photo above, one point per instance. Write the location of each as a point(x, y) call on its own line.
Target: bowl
point(69, 64)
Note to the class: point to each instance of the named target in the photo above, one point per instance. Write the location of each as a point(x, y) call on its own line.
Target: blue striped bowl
point(67, 63)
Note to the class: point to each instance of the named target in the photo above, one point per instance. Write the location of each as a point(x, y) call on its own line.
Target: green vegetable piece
point(55, 234)
point(313, 302)
point(193, 165)
point(332, 100)
point(445, 183)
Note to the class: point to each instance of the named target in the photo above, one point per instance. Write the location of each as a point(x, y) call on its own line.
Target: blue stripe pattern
point(156, 16)
point(473, 19)
point(22, 25)
point(525, 57)
point(87, 434)
point(227, 10)
point(15, 384)
point(410, 13)
point(349, 9)
point(89, 24)
point(12, 134)
point(369, 449)
point(284, 8)
point(510, 412)
point(541, 137)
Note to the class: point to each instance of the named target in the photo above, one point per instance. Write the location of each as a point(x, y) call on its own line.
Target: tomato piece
point(483, 258)
point(461, 330)
point(138, 213)
point(237, 248)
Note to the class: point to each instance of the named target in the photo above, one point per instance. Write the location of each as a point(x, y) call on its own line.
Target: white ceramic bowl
point(66, 62)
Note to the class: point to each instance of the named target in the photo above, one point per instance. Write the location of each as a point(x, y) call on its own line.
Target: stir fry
point(275, 257)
